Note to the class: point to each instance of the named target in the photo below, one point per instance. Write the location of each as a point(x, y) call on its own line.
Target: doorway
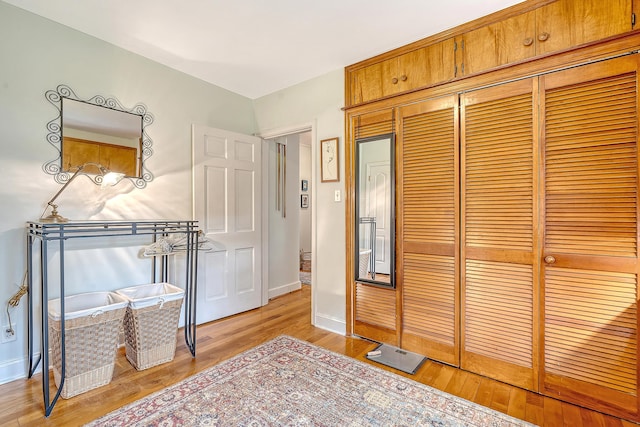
point(289, 204)
point(306, 183)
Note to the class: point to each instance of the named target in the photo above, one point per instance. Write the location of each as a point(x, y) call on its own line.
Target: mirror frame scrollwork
point(54, 137)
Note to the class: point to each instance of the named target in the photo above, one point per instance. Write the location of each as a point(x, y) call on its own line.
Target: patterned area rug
point(288, 382)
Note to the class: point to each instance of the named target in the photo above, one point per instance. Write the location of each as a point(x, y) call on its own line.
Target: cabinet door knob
point(549, 259)
point(528, 41)
point(403, 78)
point(394, 80)
point(543, 36)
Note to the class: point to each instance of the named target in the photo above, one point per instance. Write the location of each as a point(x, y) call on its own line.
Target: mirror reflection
point(98, 131)
point(100, 135)
point(375, 228)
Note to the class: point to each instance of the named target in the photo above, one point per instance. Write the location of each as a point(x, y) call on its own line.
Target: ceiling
point(257, 47)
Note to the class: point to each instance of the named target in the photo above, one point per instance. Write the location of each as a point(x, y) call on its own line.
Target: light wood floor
point(21, 400)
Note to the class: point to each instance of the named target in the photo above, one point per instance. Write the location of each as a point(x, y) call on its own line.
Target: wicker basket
point(363, 267)
point(151, 323)
point(92, 326)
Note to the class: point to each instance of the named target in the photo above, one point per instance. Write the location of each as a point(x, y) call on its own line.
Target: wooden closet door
point(373, 308)
point(499, 277)
point(428, 228)
point(590, 254)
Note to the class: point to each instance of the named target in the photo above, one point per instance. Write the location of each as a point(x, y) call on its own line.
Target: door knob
point(549, 259)
point(394, 80)
point(528, 41)
point(403, 78)
point(543, 37)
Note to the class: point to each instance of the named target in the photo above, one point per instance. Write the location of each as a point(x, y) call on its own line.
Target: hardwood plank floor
point(21, 403)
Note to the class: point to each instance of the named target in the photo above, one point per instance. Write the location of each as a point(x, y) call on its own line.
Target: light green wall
point(37, 55)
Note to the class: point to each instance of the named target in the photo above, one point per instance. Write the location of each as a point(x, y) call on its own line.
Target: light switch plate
point(337, 196)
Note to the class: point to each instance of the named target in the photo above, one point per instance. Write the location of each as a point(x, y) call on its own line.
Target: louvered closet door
point(498, 271)
point(591, 235)
point(427, 228)
point(374, 309)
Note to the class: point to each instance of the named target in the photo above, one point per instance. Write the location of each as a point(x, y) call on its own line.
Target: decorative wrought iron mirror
point(375, 210)
point(98, 130)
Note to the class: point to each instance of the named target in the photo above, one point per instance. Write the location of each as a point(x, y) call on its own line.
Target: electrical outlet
point(7, 335)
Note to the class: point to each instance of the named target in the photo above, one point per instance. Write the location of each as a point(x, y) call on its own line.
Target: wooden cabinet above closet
point(551, 28)
point(418, 68)
point(522, 32)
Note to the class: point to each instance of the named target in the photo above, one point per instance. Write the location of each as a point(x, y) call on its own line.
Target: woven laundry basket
point(151, 323)
point(92, 326)
point(363, 267)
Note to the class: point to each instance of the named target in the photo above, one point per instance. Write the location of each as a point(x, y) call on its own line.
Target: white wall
point(306, 174)
point(37, 55)
point(284, 229)
point(318, 102)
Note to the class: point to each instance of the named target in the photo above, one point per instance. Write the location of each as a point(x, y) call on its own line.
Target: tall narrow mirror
point(375, 210)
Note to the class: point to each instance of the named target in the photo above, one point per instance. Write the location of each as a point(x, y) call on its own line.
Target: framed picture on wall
point(329, 160)
point(304, 201)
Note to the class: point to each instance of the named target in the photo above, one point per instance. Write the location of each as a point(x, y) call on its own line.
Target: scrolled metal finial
point(140, 109)
point(54, 126)
point(53, 97)
point(62, 177)
point(66, 92)
point(52, 168)
point(147, 118)
point(142, 181)
point(112, 103)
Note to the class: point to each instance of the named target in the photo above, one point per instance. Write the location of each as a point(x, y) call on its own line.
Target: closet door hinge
point(633, 20)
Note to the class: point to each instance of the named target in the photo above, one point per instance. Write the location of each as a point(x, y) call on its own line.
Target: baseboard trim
point(16, 369)
point(285, 289)
point(330, 323)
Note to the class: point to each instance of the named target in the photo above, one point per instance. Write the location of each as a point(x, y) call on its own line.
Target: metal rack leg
point(190, 290)
point(30, 289)
point(50, 404)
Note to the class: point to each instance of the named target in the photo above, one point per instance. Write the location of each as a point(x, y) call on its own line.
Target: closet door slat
point(498, 240)
point(591, 236)
point(428, 229)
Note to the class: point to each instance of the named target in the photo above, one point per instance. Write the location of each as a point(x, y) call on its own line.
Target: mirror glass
point(98, 131)
point(375, 210)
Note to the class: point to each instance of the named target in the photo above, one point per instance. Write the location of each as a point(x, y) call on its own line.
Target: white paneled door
point(378, 204)
point(227, 204)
